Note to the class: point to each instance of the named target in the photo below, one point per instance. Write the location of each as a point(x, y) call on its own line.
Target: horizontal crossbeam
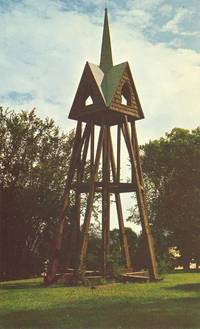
point(112, 187)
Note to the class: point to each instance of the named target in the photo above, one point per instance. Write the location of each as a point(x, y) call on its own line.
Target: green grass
point(173, 303)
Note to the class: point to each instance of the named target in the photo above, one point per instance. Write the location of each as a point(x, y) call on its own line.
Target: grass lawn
point(173, 303)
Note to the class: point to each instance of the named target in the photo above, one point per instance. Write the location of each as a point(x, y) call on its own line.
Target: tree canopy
point(171, 168)
point(34, 157)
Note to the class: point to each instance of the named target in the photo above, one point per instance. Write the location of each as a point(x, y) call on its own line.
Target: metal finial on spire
point(106, 61)
point(106, 4)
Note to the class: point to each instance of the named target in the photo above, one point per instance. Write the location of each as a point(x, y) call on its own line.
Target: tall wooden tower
point(106, 97)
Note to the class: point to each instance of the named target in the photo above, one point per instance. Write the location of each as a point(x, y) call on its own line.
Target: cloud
point(167, 81)
point(18, 97)
point(174, 25)
point(44, 48)
point(166, 9)
point(44, 52)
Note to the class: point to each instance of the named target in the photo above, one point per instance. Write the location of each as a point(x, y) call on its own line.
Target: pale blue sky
point(44, 46)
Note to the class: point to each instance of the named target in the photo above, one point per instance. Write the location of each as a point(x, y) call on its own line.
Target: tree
point(34, 158)
point(115, 247)
point(171, 167)
point(34, 161)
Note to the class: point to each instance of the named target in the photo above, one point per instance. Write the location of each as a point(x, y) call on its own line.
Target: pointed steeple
point(106, 61)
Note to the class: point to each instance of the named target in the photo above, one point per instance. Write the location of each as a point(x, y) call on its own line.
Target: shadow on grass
point(27, 285)
point(23, 285)
point(109, 313)
point(194, 287)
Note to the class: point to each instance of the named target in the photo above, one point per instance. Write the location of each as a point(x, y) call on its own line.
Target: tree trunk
point(186, 264)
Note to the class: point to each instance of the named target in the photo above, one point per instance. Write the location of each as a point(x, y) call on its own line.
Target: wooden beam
point(123, 238)
point(60, 226)
point(74, 160)
point(141, 204)
point(74, 243)
point(84, 155)
point(134, 141)
point(121, 187)
point(112, 187)
point(92, 148)
point(105, 200)
point(118, 152)
point(90, 203)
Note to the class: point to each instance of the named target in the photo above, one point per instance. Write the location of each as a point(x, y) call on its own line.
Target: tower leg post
point(89, 204)
point(123, 238)
point(77, 147)
point(141, 204)
point(105, 202)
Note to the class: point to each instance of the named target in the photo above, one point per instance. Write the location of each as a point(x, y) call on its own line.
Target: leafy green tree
point(34, 161)
point(34, 158)
point(171, 167)
point(115, 248)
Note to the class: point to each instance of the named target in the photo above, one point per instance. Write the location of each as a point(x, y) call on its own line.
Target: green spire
point(106, 61)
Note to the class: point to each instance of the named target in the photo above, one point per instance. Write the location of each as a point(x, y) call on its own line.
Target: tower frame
point(107, 85)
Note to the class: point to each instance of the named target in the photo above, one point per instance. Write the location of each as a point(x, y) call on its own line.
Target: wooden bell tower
point(106, 97)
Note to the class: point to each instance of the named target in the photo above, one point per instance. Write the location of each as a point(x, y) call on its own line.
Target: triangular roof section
point(89, 86)
point(122, 76)
point(98, 76)
point(111, 81)
point(105, 91)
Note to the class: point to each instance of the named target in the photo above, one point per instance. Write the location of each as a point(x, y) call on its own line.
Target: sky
point(45, 44)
